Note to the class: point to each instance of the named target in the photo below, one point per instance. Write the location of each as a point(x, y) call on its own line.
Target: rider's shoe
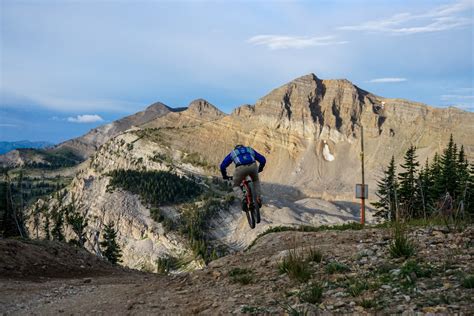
point(244, 205)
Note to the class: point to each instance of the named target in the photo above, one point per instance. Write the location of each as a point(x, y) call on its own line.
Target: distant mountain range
point(8, 146)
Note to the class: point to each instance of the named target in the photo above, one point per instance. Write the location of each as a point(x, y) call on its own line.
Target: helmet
point(238, 146)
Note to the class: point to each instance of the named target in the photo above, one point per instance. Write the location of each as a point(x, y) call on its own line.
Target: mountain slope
point(87, 144)
point(309, 130)
point(80, 148)
point(8, 146)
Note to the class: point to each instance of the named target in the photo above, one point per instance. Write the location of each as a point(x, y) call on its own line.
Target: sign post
point(363, 193)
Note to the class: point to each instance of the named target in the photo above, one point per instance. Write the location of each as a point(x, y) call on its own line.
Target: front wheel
point(250, 218)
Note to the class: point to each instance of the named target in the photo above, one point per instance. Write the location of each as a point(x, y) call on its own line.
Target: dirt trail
point(212, 290)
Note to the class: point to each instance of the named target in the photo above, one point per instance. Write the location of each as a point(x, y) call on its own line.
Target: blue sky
point(68, 66)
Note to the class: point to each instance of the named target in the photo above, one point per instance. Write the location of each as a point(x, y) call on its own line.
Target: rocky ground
point(356, 275)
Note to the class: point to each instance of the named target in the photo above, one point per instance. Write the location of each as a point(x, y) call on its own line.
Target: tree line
point(444, 186)
point(155, 187)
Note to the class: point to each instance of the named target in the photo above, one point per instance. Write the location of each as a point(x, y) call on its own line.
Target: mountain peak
point(202, 107)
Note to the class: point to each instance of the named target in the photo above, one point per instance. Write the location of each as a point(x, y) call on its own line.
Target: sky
point(69, 66)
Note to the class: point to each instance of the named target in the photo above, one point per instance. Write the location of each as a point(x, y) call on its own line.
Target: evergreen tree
point(58, 221)
point(424, 185)
point(447, 182)
point(110, 249)
point(408, 197)
point(47, 234)
point(434, 175)
point(387, 193)
point(78, 224)
point(462, 170)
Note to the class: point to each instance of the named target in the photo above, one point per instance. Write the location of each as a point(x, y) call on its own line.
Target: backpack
point(243, 156)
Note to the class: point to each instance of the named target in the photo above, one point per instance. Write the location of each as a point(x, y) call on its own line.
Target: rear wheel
point(255, 209)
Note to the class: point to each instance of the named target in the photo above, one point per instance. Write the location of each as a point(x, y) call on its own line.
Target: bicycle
point(253, 208)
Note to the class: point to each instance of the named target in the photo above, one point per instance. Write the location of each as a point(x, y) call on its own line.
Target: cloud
point(7, 125)
point(448, 97)
point(275, 42)
point(20, 98)
point(464, 106)
point(387, 80)
point(441, 18)
point(86, 118)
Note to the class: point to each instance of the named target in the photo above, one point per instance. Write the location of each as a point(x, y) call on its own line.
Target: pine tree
point(424, 185)
point(386, 192)
point(58, 221)
point(462, 170)
point(435, 174)
point(78, 224)
point(447, 182)
point(409, 201)
point(110, 249)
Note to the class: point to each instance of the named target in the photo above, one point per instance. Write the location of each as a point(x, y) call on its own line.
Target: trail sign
point(358, 191)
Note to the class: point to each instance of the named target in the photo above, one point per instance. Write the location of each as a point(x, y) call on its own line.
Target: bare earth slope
point(445, 260)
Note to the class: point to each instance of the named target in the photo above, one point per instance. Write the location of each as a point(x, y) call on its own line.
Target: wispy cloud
point(450, 97)
point(387, 80)
point(465, 106)
point(8, 125)
point(441, 18)
point(86, 118)
point(67, 104)
point(284, 42)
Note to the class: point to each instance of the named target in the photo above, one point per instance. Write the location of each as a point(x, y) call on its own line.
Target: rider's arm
point(261, 160)
point(226, 163)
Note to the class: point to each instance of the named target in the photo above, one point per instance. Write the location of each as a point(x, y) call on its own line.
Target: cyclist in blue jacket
point(244, 159)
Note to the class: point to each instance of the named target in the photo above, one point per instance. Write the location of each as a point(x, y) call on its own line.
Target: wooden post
point(362, 204)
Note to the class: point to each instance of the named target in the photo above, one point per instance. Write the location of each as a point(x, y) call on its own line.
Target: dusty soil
point(100, 288)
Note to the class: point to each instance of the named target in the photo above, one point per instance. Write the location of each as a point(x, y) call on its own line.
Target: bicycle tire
point(255, 210)
point(250, 219)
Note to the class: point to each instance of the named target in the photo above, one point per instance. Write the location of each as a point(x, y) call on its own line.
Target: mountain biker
point(244, 159)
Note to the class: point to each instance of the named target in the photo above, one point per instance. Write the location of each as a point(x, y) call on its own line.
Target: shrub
point(312, 294)
point(411, 267)
point(356, 287)
point(336, 267)
point(165, 264)
point(366, 303)
point(241, 275)
point(468, 282)
point(296, 266)
point(315, 255)
point(401, 246)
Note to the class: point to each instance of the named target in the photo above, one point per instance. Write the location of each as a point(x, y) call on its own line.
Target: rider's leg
point(239, 176)
point(253, 172)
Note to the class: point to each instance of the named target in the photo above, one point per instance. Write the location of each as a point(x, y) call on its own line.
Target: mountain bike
point(252, 210)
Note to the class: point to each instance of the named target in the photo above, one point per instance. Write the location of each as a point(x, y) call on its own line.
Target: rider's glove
point(225, 177)
point(260, 168)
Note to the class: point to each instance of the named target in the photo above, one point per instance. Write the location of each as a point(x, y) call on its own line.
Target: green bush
point(312, 294)
point(366, 303)
point(165, 264)
point(336, 267)
point(295, 265)
point(412, 267)
point(356, 287)
point(468, 282)
point(241, 275)
point(401, 246)
point(315, 255)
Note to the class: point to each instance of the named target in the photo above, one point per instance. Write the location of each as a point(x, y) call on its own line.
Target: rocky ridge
point(370, 282)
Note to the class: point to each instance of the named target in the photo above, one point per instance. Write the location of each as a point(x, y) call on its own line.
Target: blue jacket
point(242, 156)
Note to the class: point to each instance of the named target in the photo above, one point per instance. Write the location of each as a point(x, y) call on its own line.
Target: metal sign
point(359, 191)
